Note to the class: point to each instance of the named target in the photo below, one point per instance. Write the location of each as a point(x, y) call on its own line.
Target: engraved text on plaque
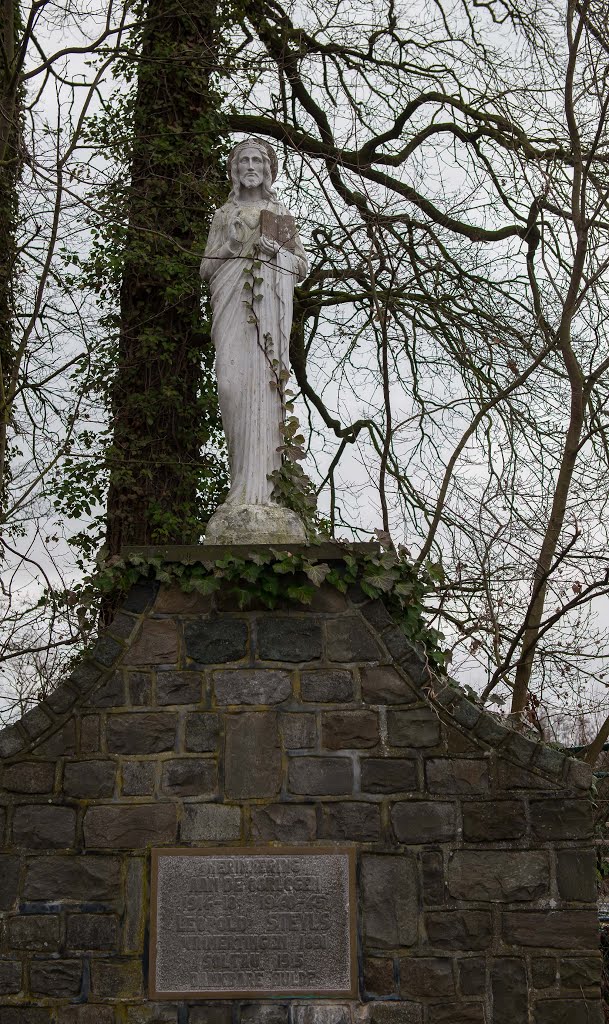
point(257, 921)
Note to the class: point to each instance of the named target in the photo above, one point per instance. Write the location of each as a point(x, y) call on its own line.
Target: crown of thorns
point(259, 144)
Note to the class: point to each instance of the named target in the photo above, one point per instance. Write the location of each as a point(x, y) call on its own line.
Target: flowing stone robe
point(250, 406)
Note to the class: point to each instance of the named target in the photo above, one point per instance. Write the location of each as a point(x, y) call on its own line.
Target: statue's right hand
point(235, 233)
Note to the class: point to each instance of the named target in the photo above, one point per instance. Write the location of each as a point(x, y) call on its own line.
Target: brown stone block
point(134, 917)
point(485, 821)
point(351, 820)
point(382, 684)
point(171, 600)
point(190, 776)
point(576, 875)
point(389, 922)
point(139, 688)
point(116, 979)
point(59, 743)
point(342, 730)
point(511, 776)
point(92, 931)
point(418, 728)
point(85, 1015)
point(561, 819)
point(389, 775)
point(426, 976)
point(130, 826)
point(141, 732)
point(468, 776)
point(264, 1013)
point(89, 734)
point(394, 1013)
point(498, 875)
point(252, 755)
point(44, 827)
point(252, 686)
point(212, 1013)
point(10, 867)
point(458, 1013)
point(284, 823)
point(543, 971)
point(157, 644)
point(349, 639)
point(155, 1013)
point(34, 931)
point(326, 687)
point(379, 976)
point(89, 779)
point(459, 929)
point(472, 976)
point(111, 693)
point(210, 822)
point(569, 1011)
point(55, 978)
point(10, 978)
point(29, 777)
point(320, 776)
point(554, 929)
point(179, 688)
point(77, 877)
point(423, 821)
point(509, 988)
point(432, 873)
point(581, 972)
point(299, 730)
point(25, 1015)
point(202, 731)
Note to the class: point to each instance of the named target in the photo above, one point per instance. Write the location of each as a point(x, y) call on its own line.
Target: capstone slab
point(253, 922)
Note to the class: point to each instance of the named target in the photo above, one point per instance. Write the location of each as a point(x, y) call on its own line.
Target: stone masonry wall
point(191, 725)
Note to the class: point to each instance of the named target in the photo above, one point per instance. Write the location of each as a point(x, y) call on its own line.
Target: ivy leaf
point(207, 585)
point(317, 573)
point(301, 593)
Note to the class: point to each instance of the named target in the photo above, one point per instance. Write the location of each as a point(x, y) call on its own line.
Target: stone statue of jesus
point(252, 236)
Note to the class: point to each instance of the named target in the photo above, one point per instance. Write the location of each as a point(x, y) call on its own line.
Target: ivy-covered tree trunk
point(163, 399)
point(10, 169)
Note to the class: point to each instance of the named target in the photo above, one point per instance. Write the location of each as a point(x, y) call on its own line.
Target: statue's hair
point(269, 161)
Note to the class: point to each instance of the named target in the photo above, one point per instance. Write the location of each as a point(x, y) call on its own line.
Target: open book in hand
point(280, 228)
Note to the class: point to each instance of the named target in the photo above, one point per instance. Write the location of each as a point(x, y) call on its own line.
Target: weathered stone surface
point(348, 638)
point(210, 821)
point(29, 777)
point(389, 922)
point(568, 1011)
point(423, 821)
point(252, 755)
point(36, 721)
point(543, 971)
point(44, 827)
point(252, 686)
point(379, 976)
point(59, 743)
point(561, 819)
point(511, 776)
point(320, 776)
point(85, 1015)
point(485, 821)
point(135, 906)
point(426, 976)
point(459, 929)
point(432, 874)
point(394, 1013)
point(419, 727)
point(576, 875)
point(327, 686)
point(65, 877)
point(457, 775)
point(320, 1014)
point(349, 729)
point(172, 600)
point(211, 1013)
point(58, 978)
point(89, 779)
point(562, 929)
point(299, 731)
point(140, 596)
point(89, 735)
point(216, 641)
point(292, 640)
point(351, 820)
point(26, 1015)
point(111, 693)
point(178, 688)
point(382, 684)
point(499, 875)
point(92, 931)
point(10, 977)
point(130, 826)
point(472, 976)
point(34, 931)
point(190, 776)
point(389, 775)
point(138, 778)
point(154, 1013)
point(285, 823)
point(157, 644)
point(202, 731)
point(9, 880)
point(264, 1013)
point(509, 988)
point(141, 732)
point(580, 972)
point(460, 1013)
point(139, 688)
point(116, 980)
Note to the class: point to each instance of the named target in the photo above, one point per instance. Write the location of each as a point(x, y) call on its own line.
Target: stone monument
point(252, 261)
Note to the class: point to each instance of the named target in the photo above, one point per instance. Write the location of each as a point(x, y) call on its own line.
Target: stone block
point(427, 976)
point(114, 979)
point(55, 978)
point(348, 638)
point(11, 741)
point(92, 932)
point(379, 976)
point(91, 780)
point(376, 614)
point(25, 1015)
point(84, 675)
point(543, 971)
point(569, 1011)
point(171, 600)
point(561, 819)
point(509, 988)
point(92, 1014)
point(135, 906)
point(89, 735)
point(433, 877)
point(29, 777)
point(202, 731)
point(212, 1013)
point(141, 732)
point(320, 776)
point(514, 777)
point(140, 596)
point(549, 761)
point(130, 826)
point(36, 721)
point(264, 1013)
point(579, 775)
point(216, 641)
point(325, 687)
point(460, 1013)
point(139, 688)
point(394, 1013)
point(252, 755)
point(291, 640)
point(10, 978)
point(487, 821)
point(576, 875)
point(76, 877)
point(554, 929)
point(59, 743)
point(138, 778)
point(252, 686)
point(417, 728)
point(299, 730)
point(44, 827)
point(498, 875)
point(382, 684)
point(284, 823)
point(423, 821)
point(156, 644)
point(351, 820)
point(154, 1013)
point(206, 822)
point(389, 775)
point(389, 899)
point(342, 730)
point(34, 931)
point(122, 625)
point(327, 599)
point(318, 1013)
point(109, 694)
point(459, 930)
point(581, 972)
point(61, 699)
point(179, 687)
point(10, 867)
point(468, 776)
point(472, 976)
point(190, 776)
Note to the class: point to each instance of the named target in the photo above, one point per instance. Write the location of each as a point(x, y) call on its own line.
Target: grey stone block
point(581, 972)
point(178, 687)
point(327, 686)
point(202, 731)
point(417, 728)
point(299, 730)
point(576, 875)
point(107, 651)
point(36, 722)
point(459, 930)
point(390, 904)
point(264, 1013)
point(426, 976)
point(139, 688)
point(351, 820)
point(140, 596)
point(389, 775)
point(208, 822)
point(342, 730)
point(141, 732)
point(112, 979)
point(382, 684)
point(472, 976)
point(130, 826)
point(544, 972)
point(190, 776)
point(92, 932)
point(252, 686)
point(11, 741)
point(138, 778)
point(423, 821)
point(320, 776)
point(433, 877)
point(488, 820)
point(61, 699)
point(552, 929)
point(561, 819)
point(76, 877)
point(89, 779)
point(10, 977)
point(44, 827)
point(216, 641)
point(457, 775)
point(57, 978)
point(320, 1014)
point(212, 1013)
point(348, 638)
point(34, 931)
point(498, 875)
point(569, 1011)
point(291, 640)
point(377, 615)
point(459, 1013)
point(284, 823)
point(252, 757)
point(29, 777)
point(10, 867)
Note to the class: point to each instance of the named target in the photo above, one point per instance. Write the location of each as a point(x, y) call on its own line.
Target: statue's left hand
point(268, 246)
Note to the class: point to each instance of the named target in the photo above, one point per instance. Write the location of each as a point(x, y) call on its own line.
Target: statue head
point(252, 161)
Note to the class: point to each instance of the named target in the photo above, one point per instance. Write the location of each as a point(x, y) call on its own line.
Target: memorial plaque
point(253, 922)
